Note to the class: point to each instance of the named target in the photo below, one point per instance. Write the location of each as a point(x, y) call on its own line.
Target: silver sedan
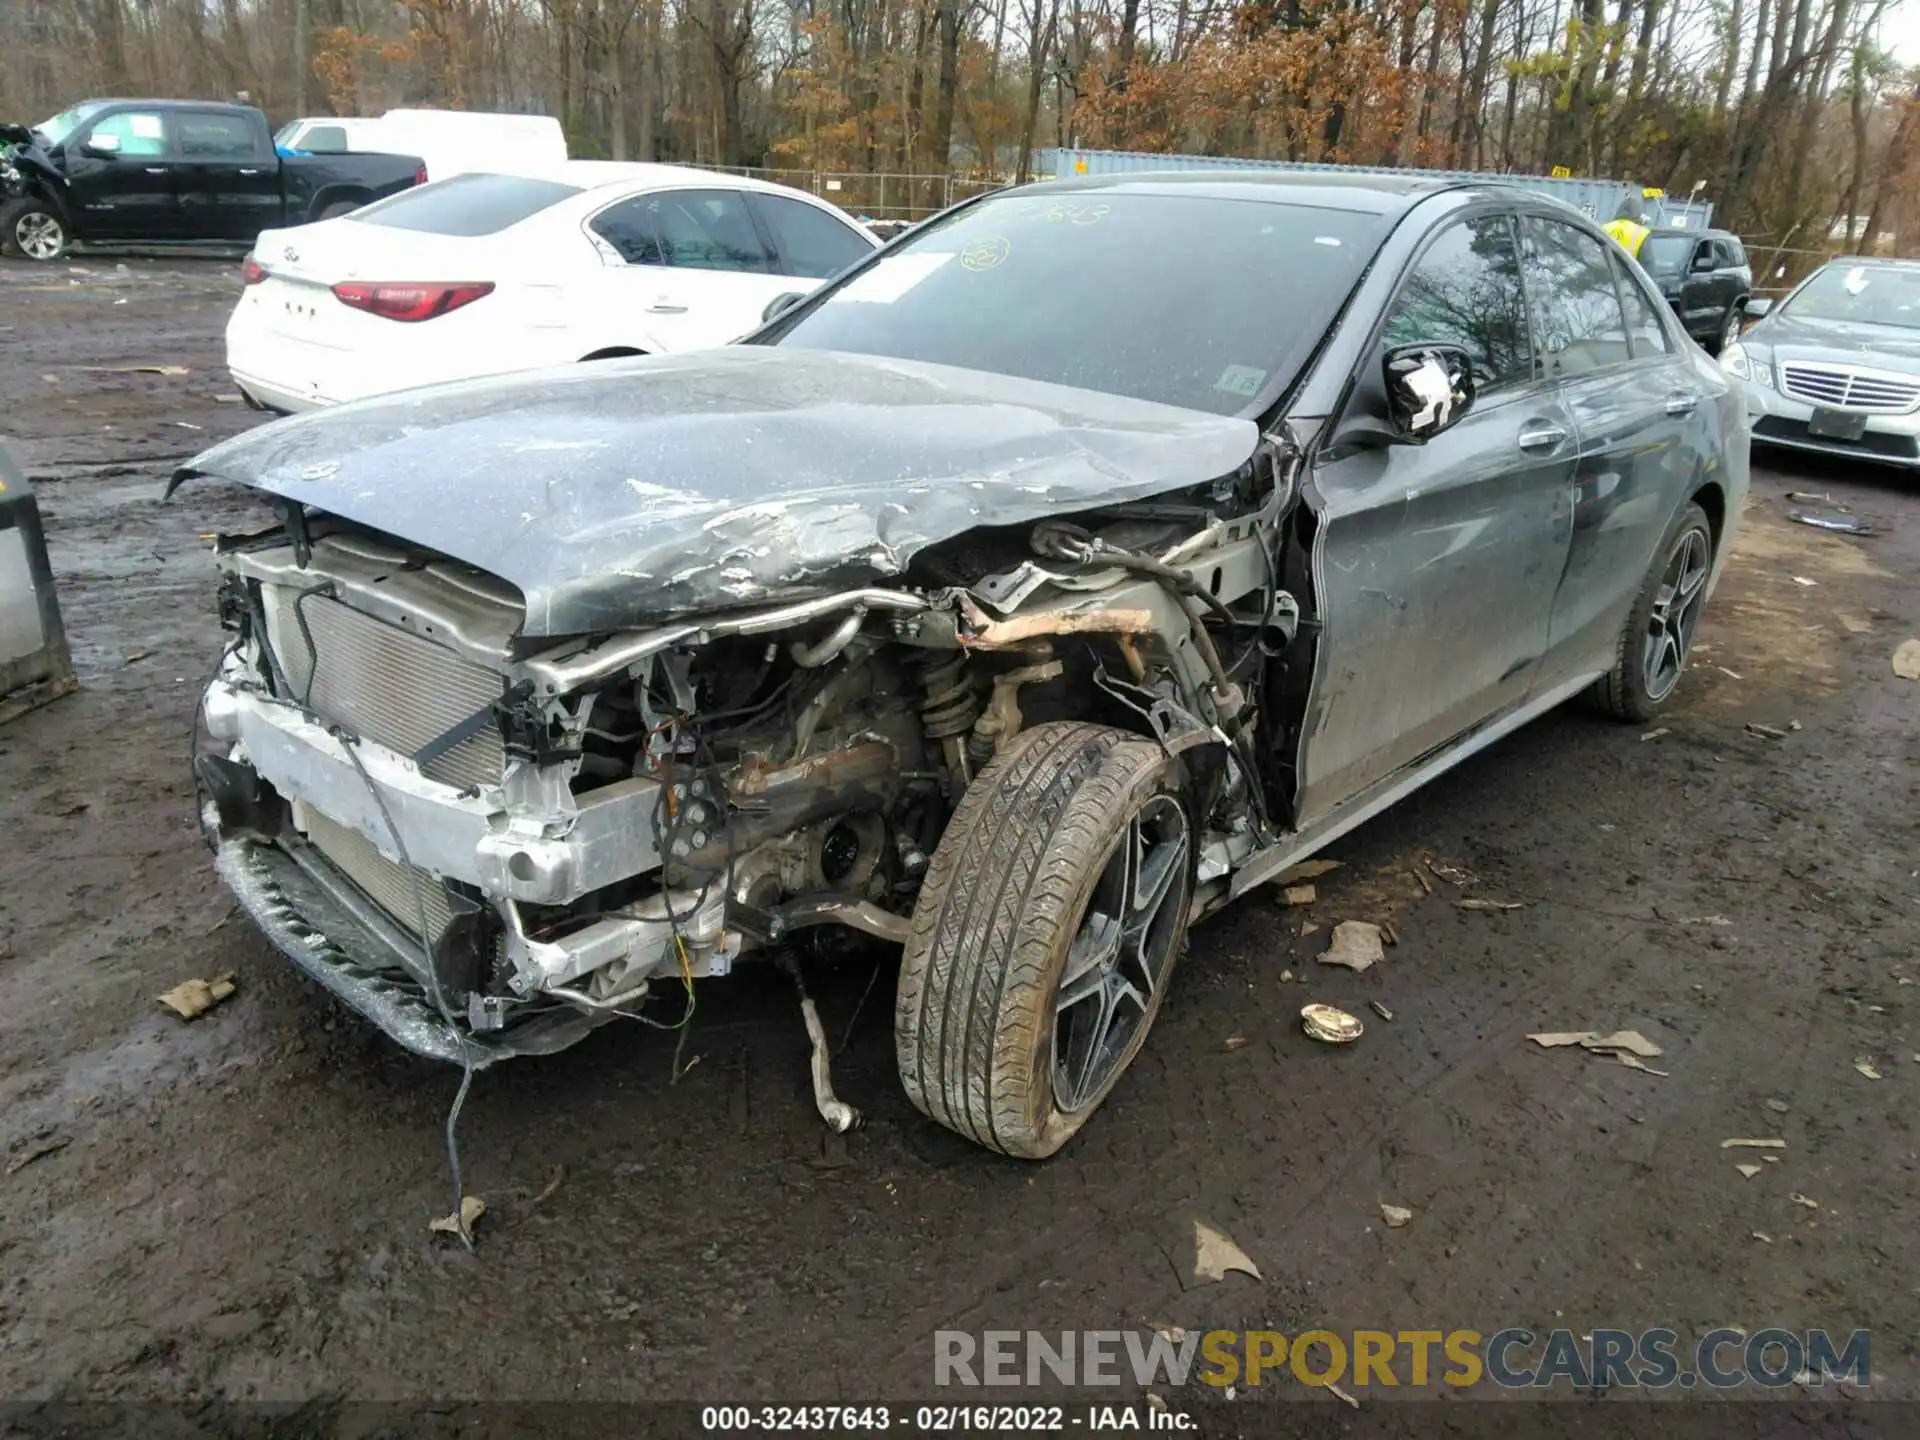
point(1835, 367)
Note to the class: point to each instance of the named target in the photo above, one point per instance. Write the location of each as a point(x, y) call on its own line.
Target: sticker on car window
point(145, 127)
point(986, 254)
point(1240, 380)
point(1856, 280)
point(892, 277)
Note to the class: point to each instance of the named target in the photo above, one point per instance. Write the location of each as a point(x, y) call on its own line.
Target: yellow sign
point(1654, 192)
point(1561, 172)
point(1079, 167)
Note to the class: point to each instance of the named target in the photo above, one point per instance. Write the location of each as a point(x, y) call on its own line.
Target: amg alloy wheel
point(1653, 649)
point(33, 230)
point(1050, 923)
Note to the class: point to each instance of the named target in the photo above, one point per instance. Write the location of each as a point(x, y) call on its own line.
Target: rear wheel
point(339, 208)
point(1052, 916)
point(1653, 650)
point(34, 229)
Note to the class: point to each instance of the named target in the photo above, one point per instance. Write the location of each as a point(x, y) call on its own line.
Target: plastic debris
point(1554, 1039)
point(1631, 1041)
point(1762, 1237)
point(1730, 674)
point(1339, 1394)
point(1297, 895)
point(1306, 870)
point(1236, 1042)
point(1864, 1064)
point(1634, 1062)
point(1215, 1255)
point(191, 999)
point(1743, 1144)
point(1655, 734)
point(1779, 1107)
point(1356, 945)
point(1333, 1027)
point(1813, 497)
point(472, 1207)
point(1906, 660)
point(1489, 906)
point(1452, 874)
point(1380, 1010)
point(1286, 977)
point(1830, 520)
point(1749, 1171)
point(1803, 580)
point(1804, 1200)
point(1766, 732)
point(1395, 1215)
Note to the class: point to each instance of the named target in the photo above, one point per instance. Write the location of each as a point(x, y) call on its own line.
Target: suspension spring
point(949, 702)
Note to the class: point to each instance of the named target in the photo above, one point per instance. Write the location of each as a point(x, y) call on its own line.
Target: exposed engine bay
point(489, 849)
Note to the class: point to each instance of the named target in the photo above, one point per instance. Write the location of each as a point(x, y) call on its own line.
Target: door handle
point(1541, 436)
point(662, 307)
point(1681, 402)
point(156, 169)
point(245, 171)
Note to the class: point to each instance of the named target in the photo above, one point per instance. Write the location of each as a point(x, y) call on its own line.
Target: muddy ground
point(237, 1208)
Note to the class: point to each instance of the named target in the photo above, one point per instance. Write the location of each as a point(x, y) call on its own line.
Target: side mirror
point(105, 146)
point(780, 304)
point(1429, 387)
point(1703, 260)
point(1759, 308)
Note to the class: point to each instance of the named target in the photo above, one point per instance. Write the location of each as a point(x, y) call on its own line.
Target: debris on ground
point(191, 999)
point(1804, 1200)
point(1749, 1171)
point(1655, 734)
point(1356, 944)
point(1306, 870)
point(1719, 921)
point(1762, 1237)
point(1395, 1215)
point(1286, 977)
point(1765, 732)
point(37, 1146)
point(1235, 1042)
point(1744, 1144)
point(1452, 874)
point(1339, 1394)
point(1420, 879)
point(1779, 1107)
point(1388, 933)
point(1803, 580)
point(1906, 660)
point(229, 398)
point(1634, 1062)
point(1864, 1064)
point(550, 1189)
point(168, 370)
point(1554, 1039)
point(1297, 895)
point(1730, 674)
point(1380, 1010)
point(1629, 1047)
point(472, 1207)
point(1489, 906)
point(1215, 1255)
point(1814, 497)
point(1334, 1027)
point(1631, 1041)
point(1839, 523)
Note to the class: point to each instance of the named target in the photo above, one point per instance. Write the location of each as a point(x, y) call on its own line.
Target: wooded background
point(1787, 113)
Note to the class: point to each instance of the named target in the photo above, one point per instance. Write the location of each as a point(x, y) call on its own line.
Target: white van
point(451, 142)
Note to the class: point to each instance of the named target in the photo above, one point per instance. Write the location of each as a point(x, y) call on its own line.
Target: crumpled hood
point(625, 493)
point(1884, 347)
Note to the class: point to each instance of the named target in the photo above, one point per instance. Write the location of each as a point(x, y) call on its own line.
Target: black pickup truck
point(171, 173)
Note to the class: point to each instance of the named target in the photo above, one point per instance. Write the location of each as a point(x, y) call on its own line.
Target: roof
point(597, 174)
point(1378, 194)
point(167, 104)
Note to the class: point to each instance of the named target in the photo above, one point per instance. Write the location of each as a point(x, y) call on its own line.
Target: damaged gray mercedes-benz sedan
point(1057, 575)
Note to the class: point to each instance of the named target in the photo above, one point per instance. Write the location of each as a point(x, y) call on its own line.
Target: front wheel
point(34, 229)
point(1653, 650)
point(1729, 330)
point(1044, 939)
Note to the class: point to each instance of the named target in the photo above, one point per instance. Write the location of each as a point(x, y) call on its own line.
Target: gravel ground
point(236, 1209)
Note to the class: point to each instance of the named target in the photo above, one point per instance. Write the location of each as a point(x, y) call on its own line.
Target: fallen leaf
point(1867, 1068)
point(1236, 1042)
point(472, 1207)
point(1380, 1010)
point(1749, 1170)
point(1395, 1215)
point(1306, 870)
point(1215, 1255)
point(1906, 660)
point(1494, 906)
point(1656, 734)
point(193, 998)
point(1356, 945)
point(1753, 1144)
point(1629, 1040)
point(1297, 895)
point(1805, 1200)
point(1554, 1039)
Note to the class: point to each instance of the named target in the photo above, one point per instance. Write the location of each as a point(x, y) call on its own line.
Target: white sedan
point(479, 274)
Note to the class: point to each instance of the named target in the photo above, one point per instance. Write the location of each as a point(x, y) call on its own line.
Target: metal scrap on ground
point(1356, 944)
point(1214, 1255)
point(1840, 524)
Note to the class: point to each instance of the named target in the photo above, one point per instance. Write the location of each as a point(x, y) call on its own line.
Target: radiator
point(390, 685)
point(387, 883)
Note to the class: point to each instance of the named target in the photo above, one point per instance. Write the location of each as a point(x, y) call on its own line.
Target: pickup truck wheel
point(1653, 649)
point(34, 229)
point(1044, 938)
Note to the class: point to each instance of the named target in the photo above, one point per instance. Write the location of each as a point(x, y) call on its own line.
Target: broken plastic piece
point(1334, 1027)
point(1827, 520)
point(1215, 1255)
point(191, 999)
point(1749, 1171)
point(1753, 1144)
point(1356, 945)
point(1395, 1215)
point(1906, 660)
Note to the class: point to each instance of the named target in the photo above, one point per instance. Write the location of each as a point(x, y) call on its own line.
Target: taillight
point(420, 175)
point(424, 301)
point(252, 272)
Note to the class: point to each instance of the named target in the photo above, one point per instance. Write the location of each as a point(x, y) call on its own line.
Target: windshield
point(1866, 294)
point(1663, 254)
point(1186, 299)
point(284, 135)
point(52, 132)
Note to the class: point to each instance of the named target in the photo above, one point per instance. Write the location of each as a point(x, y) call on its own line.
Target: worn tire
point(14, 211)
point(1010, 882)
point(1623, 691)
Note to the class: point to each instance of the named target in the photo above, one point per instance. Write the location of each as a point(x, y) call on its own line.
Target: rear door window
point(708, 230)
point(1466, 290)
point(211, 135)
point(811, 242)
point(466, 205)
point(1581, 325)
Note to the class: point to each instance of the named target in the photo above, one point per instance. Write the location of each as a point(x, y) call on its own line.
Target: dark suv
point(1704, 275)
